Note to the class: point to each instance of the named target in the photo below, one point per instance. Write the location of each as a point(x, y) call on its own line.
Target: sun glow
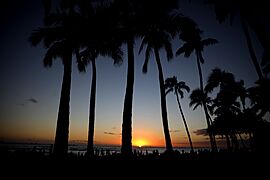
point(140, 142)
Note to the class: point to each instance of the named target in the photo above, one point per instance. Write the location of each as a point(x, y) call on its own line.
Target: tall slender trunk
point(92, 105)
point(207, 116)
point(185, 123)
point(251, 49)
point(163, 103)
point(199, 70)
point(62, 128)
point(126, 148)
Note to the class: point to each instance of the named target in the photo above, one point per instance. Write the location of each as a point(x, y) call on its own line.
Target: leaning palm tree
point(194, 43)
point(60, 40)
point(249, 13)
point(172, 85)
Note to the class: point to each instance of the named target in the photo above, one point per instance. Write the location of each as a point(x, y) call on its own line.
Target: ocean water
point(80, 149)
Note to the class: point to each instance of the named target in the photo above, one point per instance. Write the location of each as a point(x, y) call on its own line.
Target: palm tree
point(129, 14)
point(247, 12)
point(260, 97)
point(200, 98)
point(96, 38)
point(60, 40)
point(172, 85)
point(99, 41)
point(194, 43)
point(156, 37)
point(226, 106)
point(89, 56)
point(125, 14)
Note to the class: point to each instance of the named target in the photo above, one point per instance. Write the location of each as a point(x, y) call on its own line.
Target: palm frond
point(185, 23)
point(36, 37)
point(169, 91)
point(186, 49)
point(209, 41)
point(170, 82)
point(196, 106)
point(183, 85)
point(144, 42)
point(181, 50)
point(48, 35)
point(56, 50)
point(181, 93)
point(196, 98)
point(213, 80)
point(117, 55)
point(168, 49)
point(147, 57)
point(80, 64)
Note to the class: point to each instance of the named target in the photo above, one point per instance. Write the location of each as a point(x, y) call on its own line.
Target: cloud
point(113, 134)
point(20, 104)
point(32, 100)
point(201, 132)
point(174, 131)
point(113, 127)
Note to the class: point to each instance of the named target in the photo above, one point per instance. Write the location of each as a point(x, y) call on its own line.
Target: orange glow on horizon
point(140, 143)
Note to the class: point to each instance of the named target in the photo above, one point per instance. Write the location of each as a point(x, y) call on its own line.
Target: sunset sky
point(30, 93)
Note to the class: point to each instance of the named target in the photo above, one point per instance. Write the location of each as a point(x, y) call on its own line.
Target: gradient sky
point(23, 80)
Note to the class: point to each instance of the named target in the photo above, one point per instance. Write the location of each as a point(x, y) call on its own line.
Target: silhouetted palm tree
point(129, 14)
point(172, 85)
point(199, 98)
point(90, 55)
point(125, 12)
point(61, 40)
point(246, 10)
point(194, 43)
point(99, 41)
point(226, 106)
point(260, 97)
point(156, 37)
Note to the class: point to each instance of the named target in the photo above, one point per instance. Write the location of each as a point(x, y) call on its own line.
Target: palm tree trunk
point(163, 103)
point(251, 49)
point(185, 123)
point(200, 71)
point(211, 136)
point(90, 145)
point(126, 148)
point(62, 128)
